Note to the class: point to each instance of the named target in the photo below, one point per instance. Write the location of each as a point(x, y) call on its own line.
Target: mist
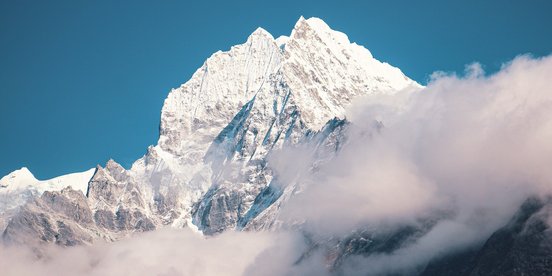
point(161, 252)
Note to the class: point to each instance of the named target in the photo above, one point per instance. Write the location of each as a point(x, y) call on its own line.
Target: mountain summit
point(209, 169)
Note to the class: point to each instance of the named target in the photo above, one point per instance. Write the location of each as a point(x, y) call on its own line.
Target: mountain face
point(212, 171)
point(21, 186)
point(522, 247)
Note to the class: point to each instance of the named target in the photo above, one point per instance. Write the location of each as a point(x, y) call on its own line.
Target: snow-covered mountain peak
point(16, 177)
point(216, 92)
point(326, 71)
point(260, 32)
point(210, 165)
point(111, 165)
point(322, 68)
point(322, 29)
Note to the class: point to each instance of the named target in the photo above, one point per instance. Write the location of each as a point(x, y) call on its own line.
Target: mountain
point(209, 169)
point(213, 170)
point(22, 182)
point(21, 186)
point(521, 247)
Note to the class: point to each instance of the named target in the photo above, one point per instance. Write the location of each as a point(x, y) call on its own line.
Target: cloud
point(162, 252)
point(474, 146)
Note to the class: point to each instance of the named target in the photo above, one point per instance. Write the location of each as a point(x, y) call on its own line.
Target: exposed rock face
point(211, 166)
point(118, 203)
point(21, 186)
point(211, 169)
point(217, 130)
point(113, 208)
point(63, 218)
point(522, 247)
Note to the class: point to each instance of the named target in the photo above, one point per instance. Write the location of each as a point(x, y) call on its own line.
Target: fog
point(161, 252)
point(468, 148)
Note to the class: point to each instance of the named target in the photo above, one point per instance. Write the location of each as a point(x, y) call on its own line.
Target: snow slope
point(20, 185)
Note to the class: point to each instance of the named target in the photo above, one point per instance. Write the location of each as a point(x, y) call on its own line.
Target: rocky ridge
point(210, 168)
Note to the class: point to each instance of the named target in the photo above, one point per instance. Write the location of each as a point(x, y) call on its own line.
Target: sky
point(84, 81)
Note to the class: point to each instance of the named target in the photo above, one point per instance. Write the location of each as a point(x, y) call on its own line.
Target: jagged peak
point(306, 29)
point(113, 165)
point(258, 37)
point(99, 170)
point(112, 171)
point(300, 21)
point(101, 174)
point(317, 25)
point(260, 32)
point(313, 22)
point(312, 62)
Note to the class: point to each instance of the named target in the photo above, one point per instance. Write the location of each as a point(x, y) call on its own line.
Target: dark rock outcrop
point(63, 218)
point(522, 247)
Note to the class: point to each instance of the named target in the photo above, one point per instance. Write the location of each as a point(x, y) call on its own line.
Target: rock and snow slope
point(210, 165)
point(19, 185)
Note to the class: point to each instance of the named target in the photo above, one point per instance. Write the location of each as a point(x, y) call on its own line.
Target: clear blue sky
point(84, 81)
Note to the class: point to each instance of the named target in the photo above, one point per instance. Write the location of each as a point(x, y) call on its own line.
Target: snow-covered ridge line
point(24, 179)
point(322, 67)
point(20, 186)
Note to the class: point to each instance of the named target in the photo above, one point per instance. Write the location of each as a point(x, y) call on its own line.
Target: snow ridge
point(20, 185)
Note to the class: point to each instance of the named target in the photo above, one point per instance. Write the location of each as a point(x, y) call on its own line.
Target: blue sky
point(84, 81)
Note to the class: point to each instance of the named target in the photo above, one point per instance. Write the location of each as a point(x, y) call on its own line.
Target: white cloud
point(162, 252)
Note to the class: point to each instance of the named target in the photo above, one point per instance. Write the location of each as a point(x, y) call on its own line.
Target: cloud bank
point(161, 252)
